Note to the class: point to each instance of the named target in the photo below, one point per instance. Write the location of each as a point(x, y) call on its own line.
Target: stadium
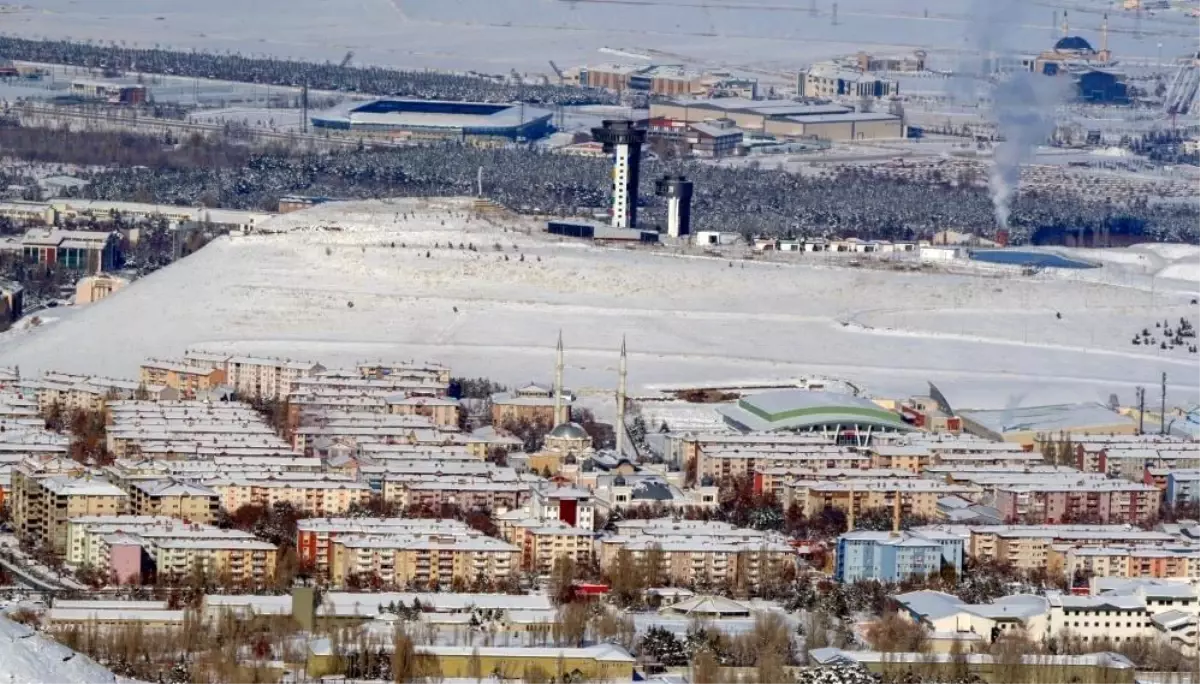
point(431, 119)
point(850, 420)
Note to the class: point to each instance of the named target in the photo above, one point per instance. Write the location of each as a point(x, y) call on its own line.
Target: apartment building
point(242, 561)
point(72, 392)
point(254, 377)
point(893, 557)
point(701, 552)
point(331, 495)
point(1107, 501)
point(184, 379)
point(315, 536)
point(47, 493)
point(82, 532)
point(421, 560)
point(543, 542)
point(773, 480)
point(832, 81)
point(534, 403)
point(1026, 547)
point(1181, 486)
point(686, 446)
point(722, 464)
point(500, 490)
point(318, 431)
point(917, 496)
point(406, 371)
point(440, 411)
point(1129, 561)
point(186, 501)
point(90, 538)
point(186, 429)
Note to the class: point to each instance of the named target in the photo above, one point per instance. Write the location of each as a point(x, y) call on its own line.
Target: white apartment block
point(255, 377)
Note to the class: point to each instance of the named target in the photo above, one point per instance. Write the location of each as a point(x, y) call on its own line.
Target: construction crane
point(558, 72)
point(346, 60)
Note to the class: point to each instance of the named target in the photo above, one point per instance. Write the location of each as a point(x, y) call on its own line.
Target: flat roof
point(1052, 418)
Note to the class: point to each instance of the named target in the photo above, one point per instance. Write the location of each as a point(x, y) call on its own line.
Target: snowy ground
point(687, 319)
point(29, 657)
point(498, 35)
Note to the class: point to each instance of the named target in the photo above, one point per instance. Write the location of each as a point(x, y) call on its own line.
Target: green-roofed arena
point(851, 420)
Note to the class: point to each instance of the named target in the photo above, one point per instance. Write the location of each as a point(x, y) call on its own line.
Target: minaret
point(1104, 40)
point(621, 402)
point(558, 381)
point(1065, 27)
point(850, 511)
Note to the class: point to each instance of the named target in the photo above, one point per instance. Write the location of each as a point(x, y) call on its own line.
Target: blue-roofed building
point(869, 555)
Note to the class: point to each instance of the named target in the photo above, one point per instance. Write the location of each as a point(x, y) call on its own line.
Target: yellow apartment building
point(185, 501)
point(44, 504)
point(421, 561)
point(917, 496)
point(187, 380)
point(247, 561)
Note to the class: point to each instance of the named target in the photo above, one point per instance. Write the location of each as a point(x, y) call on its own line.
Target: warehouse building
point(784, 118)
point(436, 120)
point(833, 81)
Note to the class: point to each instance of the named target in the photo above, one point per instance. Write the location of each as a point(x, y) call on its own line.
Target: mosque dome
point(568, 431)
point(1073, 44)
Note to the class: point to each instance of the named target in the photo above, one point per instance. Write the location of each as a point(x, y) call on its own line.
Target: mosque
point(1072, 53)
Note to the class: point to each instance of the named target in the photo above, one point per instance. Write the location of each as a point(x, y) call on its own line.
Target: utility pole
point(1162, 426)
point(1141, 395)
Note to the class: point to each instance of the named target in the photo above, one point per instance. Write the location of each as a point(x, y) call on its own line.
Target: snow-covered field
point(523, 34)
point(686, 319)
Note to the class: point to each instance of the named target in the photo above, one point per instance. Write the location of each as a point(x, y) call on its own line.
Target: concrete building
point(1105, 501)
point(80, 250)
point(47, 494)
point(656, 79)
point(328, 496)
point(97, 287)
point(443, 412)
point(893, 557)
point(315, 536)
point(601, 663)
point(834, 82)
point(1123, 560)
point(1026, 547)
point(183, 500)
point(533, 402)
point(697, 552)
point(543, 542)
point(420, 561)
point(784, 119)
point(1026, 425)
point(185, 379)
point(244, 561)
point(916, 496)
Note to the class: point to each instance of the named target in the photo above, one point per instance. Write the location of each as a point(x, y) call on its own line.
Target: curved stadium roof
point(805, 410)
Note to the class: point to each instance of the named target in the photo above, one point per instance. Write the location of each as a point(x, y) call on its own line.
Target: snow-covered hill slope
point(374, 284)
point(30, 658)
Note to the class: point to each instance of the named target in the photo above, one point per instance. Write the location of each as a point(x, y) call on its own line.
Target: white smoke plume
point(1024, 107)
point(1022, 104)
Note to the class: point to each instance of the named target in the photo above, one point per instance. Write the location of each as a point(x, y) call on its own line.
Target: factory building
point(783, 118)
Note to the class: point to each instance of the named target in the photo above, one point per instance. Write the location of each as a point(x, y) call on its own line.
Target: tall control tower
point(678, 191)
point(624, 142)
